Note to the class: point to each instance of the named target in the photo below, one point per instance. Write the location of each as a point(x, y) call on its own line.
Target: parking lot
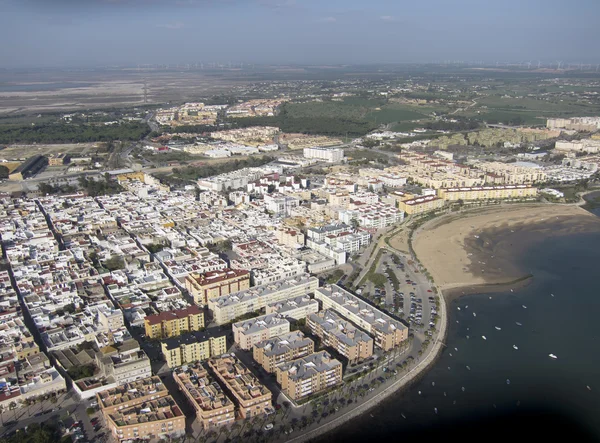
point(406, 293)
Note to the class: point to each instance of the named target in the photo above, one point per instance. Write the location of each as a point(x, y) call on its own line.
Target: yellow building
point(209, 285)
point(195, 346)
point(271, 352)
point(174, 323)
point(421, 205)
point(488, 193)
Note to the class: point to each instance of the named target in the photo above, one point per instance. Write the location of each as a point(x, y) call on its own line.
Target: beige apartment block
point(387, 332)
point(269, 353)
point(247, 333)
point(309, 375)
point(249, 395)
point(489, 193)
point(142, 409)
point(421, 205)
point(341, 335)
point(204, 287)
point(213, 408)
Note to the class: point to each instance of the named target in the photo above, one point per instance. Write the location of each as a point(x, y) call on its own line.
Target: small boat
point(372, 416)
point(515, 347)
point(518, 324)
point(448, 367)
point(524, 307)
point(432, 383)
point(445, 393)
point(588, 388)
point(456, 349)
point(490, 298)
point(468, 337)
point(469, 368)
point(458, 307)
point(507, 381)
point(512, 290)
point(456, 321)
point(552, 356)
point(467, 307)
point(463, 389)
point(454, 402)
point(468, 329)
point(474, 315)
point(497, 328)
point(403, 416)
point(552, 295)
point(483, 336)
point(451, 354)
point(476, 236)
point(419, 392)
point(435, 410)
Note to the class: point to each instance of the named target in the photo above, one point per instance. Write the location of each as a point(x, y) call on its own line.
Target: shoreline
point(447, 294)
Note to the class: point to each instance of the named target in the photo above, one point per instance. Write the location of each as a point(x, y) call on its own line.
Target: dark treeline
point(72, 133)
point(184, 175)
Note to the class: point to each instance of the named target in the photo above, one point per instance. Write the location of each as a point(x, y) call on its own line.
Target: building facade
point(341, 335)
point(204, 287)
point(174, 323)
point(247, 333)
point(192, 347)
point(387, 332)
point(250, 396)
point(213, 408)
point(309, 375)
point(271, 352)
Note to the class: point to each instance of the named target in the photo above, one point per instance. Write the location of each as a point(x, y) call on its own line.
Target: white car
point(268, 426)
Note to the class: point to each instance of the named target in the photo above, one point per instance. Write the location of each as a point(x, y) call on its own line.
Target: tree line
point(72, 133)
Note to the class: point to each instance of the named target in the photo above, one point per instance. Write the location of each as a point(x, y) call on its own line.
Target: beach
point(476, 249)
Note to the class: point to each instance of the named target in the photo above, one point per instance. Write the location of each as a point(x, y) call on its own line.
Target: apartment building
point(174, 323)
point(281, 204)
point(421, 205)
point(247, 333)
point(295, 308)
point(488, 193)
point(271, 352)
point(229, 307)
point(388, 333)
point(309, 375)
point(203, 287)
point(191, 347)
point(341, 335)
point(330, 155)
point(518, 173)
point(249, 395)
point(141, 410)
point(125, 365)
point(213, 408)
point(377, 216)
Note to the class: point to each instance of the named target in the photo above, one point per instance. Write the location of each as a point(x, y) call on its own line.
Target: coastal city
point(266, 301)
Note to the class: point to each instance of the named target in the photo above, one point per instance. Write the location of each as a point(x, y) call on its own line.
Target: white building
point(330, 155)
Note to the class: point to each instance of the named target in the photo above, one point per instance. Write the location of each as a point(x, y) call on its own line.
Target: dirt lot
point(15, 152)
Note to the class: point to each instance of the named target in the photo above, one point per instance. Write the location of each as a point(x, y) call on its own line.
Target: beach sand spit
point(478, 248)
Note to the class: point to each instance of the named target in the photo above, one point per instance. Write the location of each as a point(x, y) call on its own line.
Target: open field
point(25, 151)
point(482, 247)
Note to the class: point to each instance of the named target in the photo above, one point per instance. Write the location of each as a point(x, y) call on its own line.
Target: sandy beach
point(478, 248)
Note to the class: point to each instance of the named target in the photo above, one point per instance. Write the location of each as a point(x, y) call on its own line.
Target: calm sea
point(510, 394)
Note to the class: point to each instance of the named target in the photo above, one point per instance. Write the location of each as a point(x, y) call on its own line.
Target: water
point(33, 87)
point(508, 393)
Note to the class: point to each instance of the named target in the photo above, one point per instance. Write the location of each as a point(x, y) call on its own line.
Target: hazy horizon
point(54, 33)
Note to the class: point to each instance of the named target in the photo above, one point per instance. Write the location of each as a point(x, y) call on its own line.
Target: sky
point(129, 32)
